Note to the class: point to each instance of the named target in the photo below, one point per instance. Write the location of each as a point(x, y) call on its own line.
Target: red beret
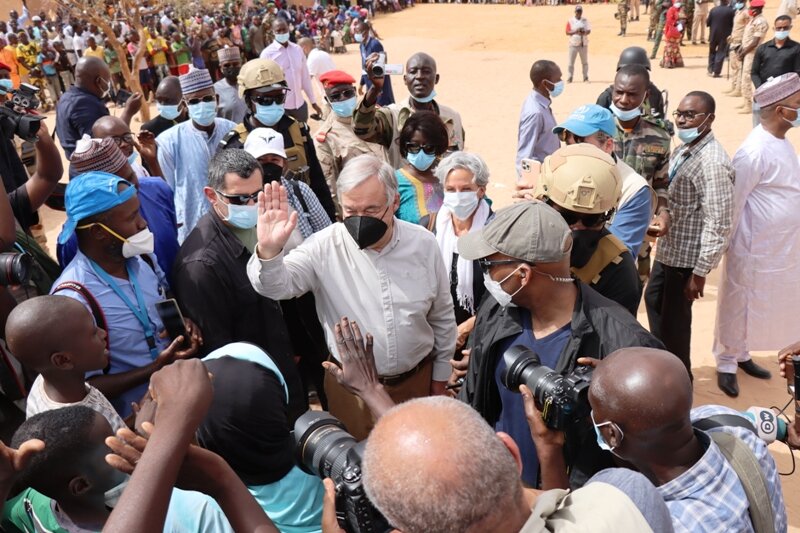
point(336, 77)
point(756, 3)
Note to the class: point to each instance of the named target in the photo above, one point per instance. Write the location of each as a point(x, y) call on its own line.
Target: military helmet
point(580, 178)
point(259, 73)
point(634, 55)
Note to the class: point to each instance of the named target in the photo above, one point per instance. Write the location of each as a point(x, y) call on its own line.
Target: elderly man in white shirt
point(292, 61)
point(382, 273)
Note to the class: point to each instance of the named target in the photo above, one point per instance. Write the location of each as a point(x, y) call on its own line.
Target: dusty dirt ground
point(484, 53)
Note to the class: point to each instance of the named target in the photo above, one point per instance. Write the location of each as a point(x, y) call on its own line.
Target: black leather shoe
point(754, 370)
point(727, 384)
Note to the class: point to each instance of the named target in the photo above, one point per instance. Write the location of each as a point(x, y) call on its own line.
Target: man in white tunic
point(760, 288)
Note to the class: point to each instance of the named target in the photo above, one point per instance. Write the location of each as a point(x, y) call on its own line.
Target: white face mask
point(139, 244)
point(112, 495)
point(462, 204)
point(496, 290)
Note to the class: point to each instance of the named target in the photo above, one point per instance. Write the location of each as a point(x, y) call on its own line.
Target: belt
point(399, 378)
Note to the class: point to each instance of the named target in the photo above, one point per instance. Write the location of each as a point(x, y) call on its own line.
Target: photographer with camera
point(714, 475)
point(536, 303)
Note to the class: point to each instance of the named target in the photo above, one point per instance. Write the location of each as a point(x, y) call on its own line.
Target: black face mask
point(584, 244)
point(365, 230)
point(230, 72)
point(271, 172)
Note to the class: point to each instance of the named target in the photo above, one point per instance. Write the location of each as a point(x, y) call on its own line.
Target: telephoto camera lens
point(15, 269)
point(322, 444)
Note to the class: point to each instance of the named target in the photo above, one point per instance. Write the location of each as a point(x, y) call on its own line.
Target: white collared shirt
point(400, 295)
point(292, 61)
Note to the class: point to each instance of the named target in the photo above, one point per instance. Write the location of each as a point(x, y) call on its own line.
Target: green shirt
point(183, 57)
point(17, 519)
point(248, 237)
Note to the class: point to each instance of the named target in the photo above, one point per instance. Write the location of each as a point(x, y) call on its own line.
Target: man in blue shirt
point(83, 103)
point(536, 139)
point(534, 302)
point(114, 276)
point(156, 200)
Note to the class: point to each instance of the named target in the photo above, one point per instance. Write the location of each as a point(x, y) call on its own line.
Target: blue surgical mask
point(203, 113)
point(242, 216)
point(132, 157)
point(422, 160)
point(601, 441)
point(344, 108)
point(557, 89)
point(425, 99)
point(358, 37)
point(781, 35)
point(169, 112)
point(282, 37)
point(269, 115)
point(6, 86)
point(625, 116)
point(687, 135)
point(738, 6)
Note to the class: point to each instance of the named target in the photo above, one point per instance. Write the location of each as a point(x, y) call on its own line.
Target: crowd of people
point(230, 268)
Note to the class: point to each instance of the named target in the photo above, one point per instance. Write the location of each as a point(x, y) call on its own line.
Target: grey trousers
point(583, 51)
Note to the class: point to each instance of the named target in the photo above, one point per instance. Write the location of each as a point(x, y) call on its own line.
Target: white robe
point(760, 289)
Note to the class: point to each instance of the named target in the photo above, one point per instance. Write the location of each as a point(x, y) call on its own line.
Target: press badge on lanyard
point(139, 310)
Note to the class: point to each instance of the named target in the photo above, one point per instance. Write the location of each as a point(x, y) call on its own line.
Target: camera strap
point(97, 311)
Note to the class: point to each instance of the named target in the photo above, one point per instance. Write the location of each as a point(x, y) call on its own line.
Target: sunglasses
point(239, 199)
point(206, 99)
point(342, 95)
point(572, 218)
point(487, 264)
point(269, 100)
point(414, 148)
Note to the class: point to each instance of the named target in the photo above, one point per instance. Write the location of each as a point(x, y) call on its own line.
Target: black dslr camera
point(563, 399)
point(325, 449)
point(16, 117)
point(15, 269)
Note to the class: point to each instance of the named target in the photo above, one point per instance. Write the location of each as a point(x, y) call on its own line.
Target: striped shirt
point(701, 205)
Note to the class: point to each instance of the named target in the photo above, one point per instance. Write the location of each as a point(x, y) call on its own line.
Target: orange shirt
point(8, 55)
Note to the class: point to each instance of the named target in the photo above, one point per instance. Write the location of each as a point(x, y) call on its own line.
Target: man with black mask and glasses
point(385, 274)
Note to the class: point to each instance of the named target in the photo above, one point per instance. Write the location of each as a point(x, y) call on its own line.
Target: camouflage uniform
point(646, 149)
point(269, 18)
point(755, 30)
point(622, 11)
point(688, 8)
point(336, 144)
point(655, 12)
point(740, 20)
point(662, 21)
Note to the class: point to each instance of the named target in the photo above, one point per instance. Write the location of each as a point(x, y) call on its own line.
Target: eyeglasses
point(206, 99)
point(239, 199)
point(487, 264)
point(687, 115)
point(342, 95)
point(269, 100)
point(414, 148)
point(119, 139)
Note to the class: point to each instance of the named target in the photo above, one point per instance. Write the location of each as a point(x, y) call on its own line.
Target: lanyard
point(684, 157)
point(139, 312)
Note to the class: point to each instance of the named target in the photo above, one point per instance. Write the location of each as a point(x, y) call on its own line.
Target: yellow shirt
point(155, 47)
point(97, 52)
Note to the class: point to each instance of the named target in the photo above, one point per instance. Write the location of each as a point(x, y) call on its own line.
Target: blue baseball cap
point(588, 119)
point(90, 194)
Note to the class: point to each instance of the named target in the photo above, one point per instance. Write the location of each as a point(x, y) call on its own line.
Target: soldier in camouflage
point(623, 7)
point(642, 142)
point(662, 21)
point(269, 18)
point(655, 14)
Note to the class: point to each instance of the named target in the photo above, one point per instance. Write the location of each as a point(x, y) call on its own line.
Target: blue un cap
point(588, 119)
point(90, 194)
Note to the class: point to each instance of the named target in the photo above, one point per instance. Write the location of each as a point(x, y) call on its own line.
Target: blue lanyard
point(684, 157)
point(139, 312)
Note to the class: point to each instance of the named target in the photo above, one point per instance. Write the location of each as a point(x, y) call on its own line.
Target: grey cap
point(530, 231)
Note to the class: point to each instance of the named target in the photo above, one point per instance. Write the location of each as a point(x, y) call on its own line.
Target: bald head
point(109, 126)
point(169, 91)
point(41, 326)
point(421, 59)
point(306, 44)
point(430, 462)
point(642, 389)
point(92, 74)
